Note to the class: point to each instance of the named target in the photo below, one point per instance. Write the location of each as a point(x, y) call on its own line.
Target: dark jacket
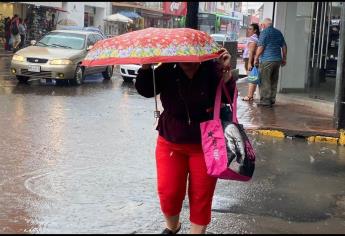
point(184, 100)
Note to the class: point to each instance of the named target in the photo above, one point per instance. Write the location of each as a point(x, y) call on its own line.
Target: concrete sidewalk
point(291, 116)
point(5, 53)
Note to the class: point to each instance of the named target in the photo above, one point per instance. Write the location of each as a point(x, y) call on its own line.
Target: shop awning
point(130, 14)
point(119, 18)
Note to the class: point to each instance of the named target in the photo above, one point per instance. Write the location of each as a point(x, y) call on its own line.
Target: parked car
point(89, 28)
point(130, 71)
point(241, 45)
point(58, 55)
point(220, 37)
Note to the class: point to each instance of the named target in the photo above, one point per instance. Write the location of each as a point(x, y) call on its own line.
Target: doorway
point(324, 51)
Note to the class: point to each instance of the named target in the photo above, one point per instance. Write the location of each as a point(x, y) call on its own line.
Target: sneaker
point(169, 231)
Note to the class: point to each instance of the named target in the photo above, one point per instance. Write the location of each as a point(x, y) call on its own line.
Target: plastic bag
point(253, 76)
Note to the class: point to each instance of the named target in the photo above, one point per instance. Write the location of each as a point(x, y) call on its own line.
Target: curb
point(6, 55)
point(312, 138)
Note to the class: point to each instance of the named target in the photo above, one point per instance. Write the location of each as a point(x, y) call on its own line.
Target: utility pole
point(339, 108)
point(192, 15)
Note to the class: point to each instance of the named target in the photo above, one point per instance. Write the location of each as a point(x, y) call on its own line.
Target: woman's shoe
point(169, 231)
point(247, 99)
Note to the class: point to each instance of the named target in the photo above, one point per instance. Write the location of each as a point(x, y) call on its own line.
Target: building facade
point(46, 16)
point(313, 68)
point(87, 13)
point(221, 17)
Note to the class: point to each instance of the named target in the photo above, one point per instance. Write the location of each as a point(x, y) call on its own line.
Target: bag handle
point(233, 105)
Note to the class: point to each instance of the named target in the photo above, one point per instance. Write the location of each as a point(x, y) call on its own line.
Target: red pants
point(176, 162)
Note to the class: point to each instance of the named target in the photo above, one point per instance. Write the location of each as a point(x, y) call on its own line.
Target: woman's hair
point(256, 28)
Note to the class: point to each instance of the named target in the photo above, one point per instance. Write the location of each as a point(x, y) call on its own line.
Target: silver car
point(58, 55)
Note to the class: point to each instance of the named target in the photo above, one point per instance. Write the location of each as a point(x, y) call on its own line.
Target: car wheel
point(78, 76)
point(108, 73)
point(22, 79)
point(127, 79)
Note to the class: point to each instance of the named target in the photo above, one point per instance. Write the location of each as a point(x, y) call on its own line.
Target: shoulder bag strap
point(216, 108)
point(233, 105)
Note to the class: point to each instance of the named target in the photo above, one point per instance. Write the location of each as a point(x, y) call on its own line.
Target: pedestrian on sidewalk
point(272, 52)
point(14, 28)
point(187, 92)
point(253, 34)
point(7, 33)
point(22, 33)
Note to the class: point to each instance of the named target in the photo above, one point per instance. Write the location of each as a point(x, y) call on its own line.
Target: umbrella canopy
point(153, 45)
point(67, 22)
point(118, 18)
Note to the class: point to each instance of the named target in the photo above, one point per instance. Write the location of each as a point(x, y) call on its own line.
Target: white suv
point(129, 71)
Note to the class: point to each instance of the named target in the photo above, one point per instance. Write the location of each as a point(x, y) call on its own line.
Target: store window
point(86, 19)
point(89, 15)
point(324, 46)
point(41, 20)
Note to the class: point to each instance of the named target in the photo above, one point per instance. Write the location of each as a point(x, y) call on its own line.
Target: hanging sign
point(175, 8)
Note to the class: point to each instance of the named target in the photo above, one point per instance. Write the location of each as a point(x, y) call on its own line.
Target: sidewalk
point(4, 53)
point(290, 117)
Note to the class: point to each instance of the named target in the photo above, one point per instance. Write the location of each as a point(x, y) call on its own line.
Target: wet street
point(81, 160)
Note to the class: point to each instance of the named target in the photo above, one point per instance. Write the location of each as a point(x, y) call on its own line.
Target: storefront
point(312, 60)
point(151, 18)
point(6, 10)
point(229, 25)
point(138, 20)
point(89, 15)
point(174, 13)
point(313, 52)
point(41, 20)
point(207, 22)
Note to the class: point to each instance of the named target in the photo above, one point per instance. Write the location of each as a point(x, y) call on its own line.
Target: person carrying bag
point(227, 149)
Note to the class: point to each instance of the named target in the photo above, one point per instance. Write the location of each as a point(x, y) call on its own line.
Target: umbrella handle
point(156, 112)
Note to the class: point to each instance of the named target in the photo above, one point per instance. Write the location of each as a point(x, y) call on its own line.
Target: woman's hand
point(225, 64)
point(225, 60)
point(250, 66)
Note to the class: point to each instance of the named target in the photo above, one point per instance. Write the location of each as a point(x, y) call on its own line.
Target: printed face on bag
point(234, 146)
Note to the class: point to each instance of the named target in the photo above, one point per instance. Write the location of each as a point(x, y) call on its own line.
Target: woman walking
point(187, 92)
point(248, 57)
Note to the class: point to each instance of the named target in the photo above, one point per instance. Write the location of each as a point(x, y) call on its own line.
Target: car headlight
point(61, 62)
point(18, 58)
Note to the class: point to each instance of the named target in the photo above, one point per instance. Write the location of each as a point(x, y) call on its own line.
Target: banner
point(175, 8)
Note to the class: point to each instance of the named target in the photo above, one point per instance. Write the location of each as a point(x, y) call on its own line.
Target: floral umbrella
point(153, 45)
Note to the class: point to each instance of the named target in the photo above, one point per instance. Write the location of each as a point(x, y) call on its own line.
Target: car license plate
point(34, 68)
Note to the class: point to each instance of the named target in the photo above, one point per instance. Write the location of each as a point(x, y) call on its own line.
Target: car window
point(91, 40)
point(63, 40)
point(97, 37)
point(220, 37)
